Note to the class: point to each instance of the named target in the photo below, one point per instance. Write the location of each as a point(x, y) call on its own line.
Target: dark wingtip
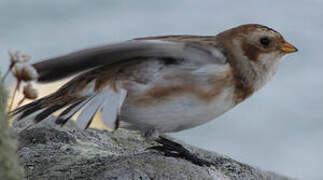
point(43, 115)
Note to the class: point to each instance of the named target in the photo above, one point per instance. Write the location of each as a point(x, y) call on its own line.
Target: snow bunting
point(160, 84)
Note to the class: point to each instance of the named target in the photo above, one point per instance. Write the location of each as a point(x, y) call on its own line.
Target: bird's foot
point(174, 149)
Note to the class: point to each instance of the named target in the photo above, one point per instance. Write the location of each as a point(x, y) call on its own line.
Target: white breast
point(183, 112)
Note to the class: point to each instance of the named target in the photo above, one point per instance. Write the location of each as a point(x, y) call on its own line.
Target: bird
point(160, 84)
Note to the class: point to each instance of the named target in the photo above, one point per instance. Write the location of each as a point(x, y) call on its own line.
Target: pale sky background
point(280, 128)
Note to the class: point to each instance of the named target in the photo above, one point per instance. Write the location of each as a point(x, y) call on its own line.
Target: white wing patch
point(109, 102)
point(111, 108)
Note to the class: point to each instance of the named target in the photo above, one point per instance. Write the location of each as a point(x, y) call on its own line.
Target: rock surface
point(50, 152)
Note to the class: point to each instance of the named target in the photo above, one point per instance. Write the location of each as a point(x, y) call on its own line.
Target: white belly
point(183, 112)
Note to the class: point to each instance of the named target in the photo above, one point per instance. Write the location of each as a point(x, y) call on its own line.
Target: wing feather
point(109, 102)
point(63, 66)
point(111, 109)
point(89, 110)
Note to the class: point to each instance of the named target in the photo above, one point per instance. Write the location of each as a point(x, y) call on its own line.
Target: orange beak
point(288, 48)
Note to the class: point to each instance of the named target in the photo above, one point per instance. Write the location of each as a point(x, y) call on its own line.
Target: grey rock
point(48, 151)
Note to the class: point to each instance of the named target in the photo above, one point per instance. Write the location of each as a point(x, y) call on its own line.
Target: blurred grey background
point(280, 128)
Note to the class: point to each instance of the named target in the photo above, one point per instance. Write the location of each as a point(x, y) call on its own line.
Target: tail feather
point(111, 109)
point(26, 109)
point(40, 109)
point(90, 109)
point(44, 114)
point(89, 101)
point(69, 112)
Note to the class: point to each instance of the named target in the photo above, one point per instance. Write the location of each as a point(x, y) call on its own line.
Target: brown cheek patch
point(251, 52)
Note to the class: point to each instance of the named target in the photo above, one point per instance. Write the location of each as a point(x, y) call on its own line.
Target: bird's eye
point(265, 41)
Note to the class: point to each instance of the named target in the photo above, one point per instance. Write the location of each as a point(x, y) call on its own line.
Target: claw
point(174, 149)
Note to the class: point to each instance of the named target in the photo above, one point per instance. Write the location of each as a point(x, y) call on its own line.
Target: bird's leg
point(174, 149)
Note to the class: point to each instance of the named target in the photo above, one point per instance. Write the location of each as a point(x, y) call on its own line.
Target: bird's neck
point(248, 75)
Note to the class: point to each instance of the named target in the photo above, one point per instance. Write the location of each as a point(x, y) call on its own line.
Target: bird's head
point(256, 42)
point(254, 49)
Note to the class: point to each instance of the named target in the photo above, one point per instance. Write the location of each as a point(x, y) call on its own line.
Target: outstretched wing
point(63, 66)
point(82, 94)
